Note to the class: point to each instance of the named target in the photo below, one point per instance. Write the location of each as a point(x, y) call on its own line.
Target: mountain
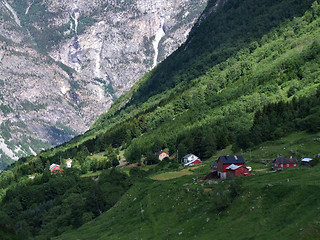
point(235, 62)
point(63, 63)
point(245, 82)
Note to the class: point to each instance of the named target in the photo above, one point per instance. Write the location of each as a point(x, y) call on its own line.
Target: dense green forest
point(49, 205)
point(248, 73)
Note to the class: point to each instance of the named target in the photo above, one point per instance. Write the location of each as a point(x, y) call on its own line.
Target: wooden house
point(162, 155)
point(282, 163)
point(237, 171)
point(55, 168)
point(220, 166)
point(68, 163)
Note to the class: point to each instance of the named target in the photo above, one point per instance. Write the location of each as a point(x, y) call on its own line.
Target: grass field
point(281, 205)
point(269, 205)
point(175, 174)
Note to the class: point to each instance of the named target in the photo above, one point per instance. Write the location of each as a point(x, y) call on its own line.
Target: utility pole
point(177, 156)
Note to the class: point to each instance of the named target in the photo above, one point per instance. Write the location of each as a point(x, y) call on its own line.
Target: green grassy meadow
point(283, 205)
point(267, 205)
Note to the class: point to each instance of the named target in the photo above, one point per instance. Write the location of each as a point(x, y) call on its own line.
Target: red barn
point(281, 163)
point(237, 171)
point(225, 161)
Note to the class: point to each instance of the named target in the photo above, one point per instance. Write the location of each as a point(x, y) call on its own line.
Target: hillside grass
point(297, 145)
point(171, 175)
point(271, 205)
point(268, 205)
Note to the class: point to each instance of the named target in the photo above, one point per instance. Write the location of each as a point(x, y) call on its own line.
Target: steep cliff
point(63, 63)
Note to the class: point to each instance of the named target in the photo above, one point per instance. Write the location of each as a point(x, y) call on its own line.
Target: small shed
point(214, 166)
point(306, 162)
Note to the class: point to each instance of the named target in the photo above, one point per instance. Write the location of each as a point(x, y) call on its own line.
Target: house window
point(281, 165)
point(287, 165)
point(295, 165)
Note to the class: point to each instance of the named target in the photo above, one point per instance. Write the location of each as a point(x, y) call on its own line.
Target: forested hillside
point(248, 73)
point(242, 57)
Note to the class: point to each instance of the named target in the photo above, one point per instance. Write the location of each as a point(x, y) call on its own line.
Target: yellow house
point(162, 154)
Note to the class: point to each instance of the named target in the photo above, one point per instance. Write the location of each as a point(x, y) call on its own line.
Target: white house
point(190, 160)
point(69, 163)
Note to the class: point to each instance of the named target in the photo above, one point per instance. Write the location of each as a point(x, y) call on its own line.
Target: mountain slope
point(282, 64)
point(264, 206)
point(204, 102)
point(72, 59)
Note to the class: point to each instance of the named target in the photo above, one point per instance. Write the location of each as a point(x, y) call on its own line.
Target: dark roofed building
point(235, 159)
point(214, 166)
point(225, 161)
point(281, 163)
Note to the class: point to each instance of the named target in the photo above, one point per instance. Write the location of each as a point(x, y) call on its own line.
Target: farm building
point(214, 166)
point(306, 161)
point(281, 163)
point(191, 160)
point(162, 155)
point(237, 171)
point(220, 166)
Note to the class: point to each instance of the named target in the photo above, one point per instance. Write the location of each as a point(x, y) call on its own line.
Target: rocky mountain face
point(63, 63)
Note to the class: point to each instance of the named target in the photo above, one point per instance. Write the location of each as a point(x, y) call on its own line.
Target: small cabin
point(162, 155)
point(306, 162)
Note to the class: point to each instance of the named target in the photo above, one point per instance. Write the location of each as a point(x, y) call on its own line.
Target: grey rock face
point(63, 63)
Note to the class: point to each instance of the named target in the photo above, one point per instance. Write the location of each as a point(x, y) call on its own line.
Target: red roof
point(158, 153)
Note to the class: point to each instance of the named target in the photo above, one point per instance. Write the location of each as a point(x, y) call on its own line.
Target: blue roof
point(236, 159)
point(214, 164)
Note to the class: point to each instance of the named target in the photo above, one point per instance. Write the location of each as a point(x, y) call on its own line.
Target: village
point(224, 167)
